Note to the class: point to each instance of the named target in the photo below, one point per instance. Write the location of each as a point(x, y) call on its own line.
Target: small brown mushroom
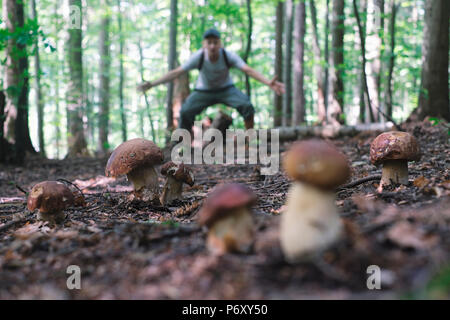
point(51, 198)
point(311, 222)
point(227, 214)
point(176, 176)
point(137, 159)
point(394, 149)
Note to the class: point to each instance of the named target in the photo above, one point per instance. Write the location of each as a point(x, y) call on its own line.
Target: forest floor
point(130, 250)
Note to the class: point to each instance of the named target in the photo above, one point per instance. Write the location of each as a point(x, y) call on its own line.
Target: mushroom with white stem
point(51, 198)
point(176, 176)
point(394, 149)
point(137, 159)
point(311, 223)
point(227, 214)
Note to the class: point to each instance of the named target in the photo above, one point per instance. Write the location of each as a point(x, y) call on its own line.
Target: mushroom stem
point(172, 190)
point(394, 171)
point(232, 233)
point(144, 178)
point(310, 223)
point(52, 217)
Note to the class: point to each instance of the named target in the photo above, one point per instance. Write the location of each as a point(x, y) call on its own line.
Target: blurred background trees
point(70, 68)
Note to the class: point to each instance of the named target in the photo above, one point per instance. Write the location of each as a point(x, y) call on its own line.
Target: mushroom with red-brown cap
point(176, 176)
point(311, 222)
point(51, 198)
point(227, 214)
point(393, 150)
point(137, 159)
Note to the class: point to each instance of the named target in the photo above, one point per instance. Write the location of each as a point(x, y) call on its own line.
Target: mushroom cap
point(222, 200)
point(394, 145)
point(318, 163)
point(178, 172)
point(132, 154)
point(50, 196)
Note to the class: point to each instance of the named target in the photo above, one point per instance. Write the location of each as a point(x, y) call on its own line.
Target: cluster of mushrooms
point(309, 224)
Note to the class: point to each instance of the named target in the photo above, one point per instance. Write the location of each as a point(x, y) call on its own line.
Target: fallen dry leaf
point(31, 229)
point(407, 235)
point(421, 182)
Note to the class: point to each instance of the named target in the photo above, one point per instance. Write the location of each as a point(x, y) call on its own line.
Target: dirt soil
point(132, 250)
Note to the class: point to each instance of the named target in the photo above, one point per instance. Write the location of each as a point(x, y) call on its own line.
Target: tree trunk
point(181, 92)
point(361, 91)
point(76, 139)
point(336, 108)
point(2, 114)
point(105, 62)
point(57, 116)
point(364, 62)
point(299, 48)
point(249, 44)
point(121, 75)
point(171, 61)
point(374, 46)
point(326, 56)
point(278, 100)
point(287, 101)
point(388, 95)
point(434, 96)
point(16, 129)
point(318, 70)
point(39, 101)
point(147, 104)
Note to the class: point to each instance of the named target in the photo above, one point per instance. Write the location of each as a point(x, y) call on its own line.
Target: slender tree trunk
point(39, 101)
point(278, 100)
point(363, 54)
point(16, 82)
point(299, 49)
point(434, 95)
point(123, 117)
point(171, 61)
point(373, 48)
point(76, 138)
point(318, 70)
point(249, 44)
point(379, 71)
point(326, 56)
point(2, 120)
point(391, 59)
point(147, 104)
point(105, 62)
point(287, 101)
point(57, 116)
point(337, 34)
point(362, 104)
point(181, 92)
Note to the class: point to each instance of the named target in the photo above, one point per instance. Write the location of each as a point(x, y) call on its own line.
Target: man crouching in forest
point(214, 84)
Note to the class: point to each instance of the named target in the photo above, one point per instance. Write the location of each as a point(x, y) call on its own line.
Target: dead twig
point(359, 181)
point(21, 189)
point(80, 200)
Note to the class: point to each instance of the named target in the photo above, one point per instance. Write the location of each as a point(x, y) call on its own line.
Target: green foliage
point(170, 223)
point(148, 21)
point(434, 121)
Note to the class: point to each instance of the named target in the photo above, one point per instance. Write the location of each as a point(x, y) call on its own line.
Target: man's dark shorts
point(198, 101)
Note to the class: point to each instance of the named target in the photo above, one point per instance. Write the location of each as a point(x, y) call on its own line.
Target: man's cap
point(211, 33)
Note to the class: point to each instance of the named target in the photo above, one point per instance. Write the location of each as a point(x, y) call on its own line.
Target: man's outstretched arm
point(169, 76)
point(275, 85)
